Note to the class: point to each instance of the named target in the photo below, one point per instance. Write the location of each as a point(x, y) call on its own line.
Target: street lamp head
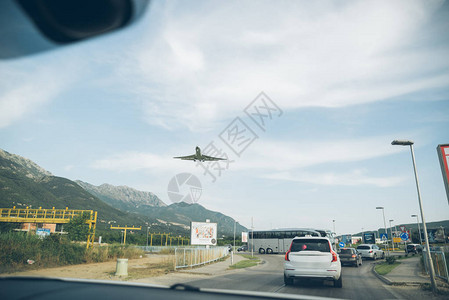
point(379, 207)
point(413, 216)
point(402, 142)
point(391, 220)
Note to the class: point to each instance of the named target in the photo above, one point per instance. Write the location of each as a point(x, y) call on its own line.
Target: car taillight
point(286, 255)
point(288, 252)
point(354, 255)
point(334, 256)
point(371, 251)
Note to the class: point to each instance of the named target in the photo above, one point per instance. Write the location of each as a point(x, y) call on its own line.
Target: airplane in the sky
point(199, 156)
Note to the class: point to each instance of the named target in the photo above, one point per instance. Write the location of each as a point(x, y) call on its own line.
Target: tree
point(77, 228)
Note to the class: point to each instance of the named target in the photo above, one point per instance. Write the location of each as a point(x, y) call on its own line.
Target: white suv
point(370, 251)
point(312, 257)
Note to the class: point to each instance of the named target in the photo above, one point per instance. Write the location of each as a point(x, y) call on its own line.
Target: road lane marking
point(279, 288)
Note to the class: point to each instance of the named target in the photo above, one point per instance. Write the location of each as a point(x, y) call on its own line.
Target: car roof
point(311, 237)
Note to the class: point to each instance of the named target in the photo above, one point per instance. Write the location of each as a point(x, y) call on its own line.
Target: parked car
point(370, 251)
point(242, 248)
point(350, 256)
point(312, 257)
point(413, 248)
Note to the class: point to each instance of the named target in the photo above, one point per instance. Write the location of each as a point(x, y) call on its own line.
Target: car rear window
point(346, 251)
point(310, 245)
point(363, 247)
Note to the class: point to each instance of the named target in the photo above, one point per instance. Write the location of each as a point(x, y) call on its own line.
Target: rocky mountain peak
point(24, 166)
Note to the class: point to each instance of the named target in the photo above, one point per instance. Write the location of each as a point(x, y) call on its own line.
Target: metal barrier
point(190, 257)
point(439, 263)
point(156, 249)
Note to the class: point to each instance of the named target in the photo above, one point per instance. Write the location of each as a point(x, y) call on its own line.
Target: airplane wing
point(188, 157)
point(205, 157)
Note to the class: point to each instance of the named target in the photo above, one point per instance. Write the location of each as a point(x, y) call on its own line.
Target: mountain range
point(25, 184)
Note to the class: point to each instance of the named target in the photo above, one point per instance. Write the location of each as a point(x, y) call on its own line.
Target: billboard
point(42, 232)
point(443, 155)
point(203, 233)
point(346, 238)
point(369, 238)
point(244, 237)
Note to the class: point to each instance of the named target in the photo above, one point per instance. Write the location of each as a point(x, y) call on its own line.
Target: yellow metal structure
point(162, 235)
point(50, 216)
point(167, 238)
point(126, 228)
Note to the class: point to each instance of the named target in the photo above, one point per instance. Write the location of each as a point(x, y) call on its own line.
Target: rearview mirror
point(32, 26)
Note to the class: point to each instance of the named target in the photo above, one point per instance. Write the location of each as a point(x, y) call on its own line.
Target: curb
point(389, 282)
point(381, 277)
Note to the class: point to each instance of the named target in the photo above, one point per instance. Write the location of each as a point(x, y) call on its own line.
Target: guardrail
point(439, 263)
point(190, 257)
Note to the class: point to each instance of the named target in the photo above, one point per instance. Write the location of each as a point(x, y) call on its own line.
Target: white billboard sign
point(203, 233)
point(244, 237)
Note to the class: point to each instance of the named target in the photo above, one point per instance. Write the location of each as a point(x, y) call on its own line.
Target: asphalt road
point(358, 283)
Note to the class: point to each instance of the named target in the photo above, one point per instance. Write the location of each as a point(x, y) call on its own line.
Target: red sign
point(443, 155)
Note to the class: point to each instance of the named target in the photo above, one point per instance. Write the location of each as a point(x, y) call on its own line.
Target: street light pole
point(363, 237)
point(335, 236)
point(419, 229)
point(252, 237)
point(385, 227)
point(148, 231)
point(426, 238)
point(234, 234)
point(395, 233)
point(391, 233)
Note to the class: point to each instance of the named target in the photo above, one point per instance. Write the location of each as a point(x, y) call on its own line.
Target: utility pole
point(335, 237)
point(252, 237)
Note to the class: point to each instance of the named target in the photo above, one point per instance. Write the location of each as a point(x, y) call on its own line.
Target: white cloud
point(353, 178)
point(205, 63)
point(29, 84)
point(280, 155)
point(134, 161)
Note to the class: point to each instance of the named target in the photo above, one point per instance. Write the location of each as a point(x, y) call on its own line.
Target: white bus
point(279, 240)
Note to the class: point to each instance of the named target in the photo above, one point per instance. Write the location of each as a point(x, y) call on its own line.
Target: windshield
point(310, 245)
point(200, 138)
point(346, 251)
point(363, 247)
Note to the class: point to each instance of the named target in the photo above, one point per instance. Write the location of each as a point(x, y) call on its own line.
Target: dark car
point(350, 256)
point(243, 248)
point(413, 248)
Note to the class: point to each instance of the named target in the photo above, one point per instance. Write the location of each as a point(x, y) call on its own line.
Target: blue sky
point(349, 78)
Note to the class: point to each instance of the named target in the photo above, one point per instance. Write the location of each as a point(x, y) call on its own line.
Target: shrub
point(391, 260)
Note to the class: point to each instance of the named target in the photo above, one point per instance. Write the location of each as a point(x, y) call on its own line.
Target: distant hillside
point(122, 197)
point(184, 213)
point(414, 227)
point(149, 205)
point(20, 165)
point(23, 183)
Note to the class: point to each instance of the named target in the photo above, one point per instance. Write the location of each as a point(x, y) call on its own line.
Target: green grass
point(248, 262)
point(248, 256)
point(384, 268)
point(244, 264)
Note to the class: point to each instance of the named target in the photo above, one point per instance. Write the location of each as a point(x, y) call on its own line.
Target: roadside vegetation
point(20, 251)
point(385, 268)
point(248, 262)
